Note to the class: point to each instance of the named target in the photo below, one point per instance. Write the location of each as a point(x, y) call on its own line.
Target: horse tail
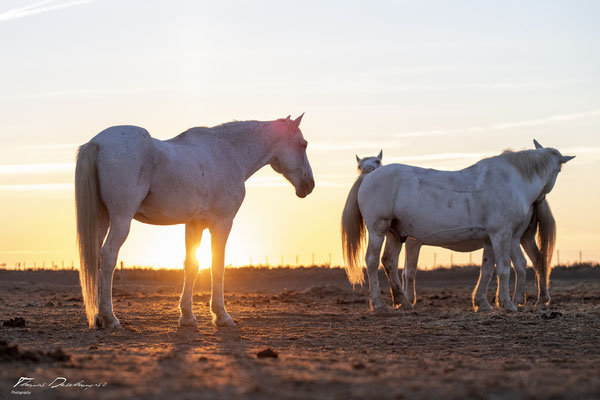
point(89, 207)
point(546, 237)
point(353, 235)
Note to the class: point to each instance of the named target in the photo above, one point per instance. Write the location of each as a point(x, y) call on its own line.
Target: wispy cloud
point(373, 145)
point(48, 168)
point(39, 7)
point(441, 157)
point(55, 187)
point(504, 125)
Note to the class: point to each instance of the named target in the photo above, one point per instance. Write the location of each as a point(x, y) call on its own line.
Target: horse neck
point(252, 144)
point(537, 185)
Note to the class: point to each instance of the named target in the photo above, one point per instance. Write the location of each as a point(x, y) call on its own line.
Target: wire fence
point(446, 259)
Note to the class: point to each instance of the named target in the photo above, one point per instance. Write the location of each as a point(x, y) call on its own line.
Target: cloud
point(356, 145)
point(504, 125)
point(55, 187)
point(441, 157)
point(48, 168)
point(39, 7)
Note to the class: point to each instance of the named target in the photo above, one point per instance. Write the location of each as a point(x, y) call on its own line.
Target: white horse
point(196, 178)
point(540, 254)
point(492, 202)
point(368, 164)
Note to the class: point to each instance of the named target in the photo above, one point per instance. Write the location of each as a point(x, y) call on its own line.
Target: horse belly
point(466, 247)
point(461, 239)
point(165, 209)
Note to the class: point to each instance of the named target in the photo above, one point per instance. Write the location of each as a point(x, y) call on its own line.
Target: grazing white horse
point(196, 178)
point(540, 254)
point(491, 201)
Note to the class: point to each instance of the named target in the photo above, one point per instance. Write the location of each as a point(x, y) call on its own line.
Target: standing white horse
point(196, 178)
point(540, 254)
point(491, 201)
point(368, 164)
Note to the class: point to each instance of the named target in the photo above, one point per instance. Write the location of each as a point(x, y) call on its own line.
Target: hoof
point(543, 302)
point(223, 321)
point(188, 321)
point(482, 307)
point(379, 308)
point(110, 322)
point(520, 300)
point(510, 307)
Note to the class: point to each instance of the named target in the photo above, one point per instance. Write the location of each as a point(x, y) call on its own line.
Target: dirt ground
point(329, 345)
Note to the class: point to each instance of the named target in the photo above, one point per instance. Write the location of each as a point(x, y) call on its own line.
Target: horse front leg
point(520, 265)
point(413, 248)
point(480, 301)
point(119, 229)
point(193, 237)
point(219, 233)
point(501, 245)
point(391, 252)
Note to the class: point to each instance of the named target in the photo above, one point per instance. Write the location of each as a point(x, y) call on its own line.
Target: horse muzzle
point(306, 187)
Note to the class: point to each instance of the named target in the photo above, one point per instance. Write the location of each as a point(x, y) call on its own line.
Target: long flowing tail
point(353, 235)
point(89, 207)
point(546, 237)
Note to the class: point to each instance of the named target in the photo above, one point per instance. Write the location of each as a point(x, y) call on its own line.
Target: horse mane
point(530, 163)
point(226, 127)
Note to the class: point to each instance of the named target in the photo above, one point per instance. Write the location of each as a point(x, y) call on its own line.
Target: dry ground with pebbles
point(329, 345)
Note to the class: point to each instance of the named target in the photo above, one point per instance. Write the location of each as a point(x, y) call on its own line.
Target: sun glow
point(203, 254)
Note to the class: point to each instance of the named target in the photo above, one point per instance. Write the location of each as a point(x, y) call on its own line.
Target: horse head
point(289, 158)
point(555, 161)
point(369, 164)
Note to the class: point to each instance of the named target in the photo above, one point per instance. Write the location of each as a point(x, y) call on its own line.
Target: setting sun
point(203, 254)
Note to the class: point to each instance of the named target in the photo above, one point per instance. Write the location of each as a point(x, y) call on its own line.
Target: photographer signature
point(58, 382)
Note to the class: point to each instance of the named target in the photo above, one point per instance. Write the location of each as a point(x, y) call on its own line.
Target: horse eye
point(304, 144)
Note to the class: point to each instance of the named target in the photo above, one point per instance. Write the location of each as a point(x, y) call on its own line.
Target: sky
point(436, 84)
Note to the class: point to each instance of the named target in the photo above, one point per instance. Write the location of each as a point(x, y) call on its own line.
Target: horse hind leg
point(501, 244)
point(413, 248)
point(119, 229)
point(520, 265)
point(536, 257)
point(372, 258)
point(193, 236)
point(480, 301)
point(391, 252)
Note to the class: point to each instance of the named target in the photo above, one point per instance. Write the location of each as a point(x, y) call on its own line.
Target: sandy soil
point(328, 343)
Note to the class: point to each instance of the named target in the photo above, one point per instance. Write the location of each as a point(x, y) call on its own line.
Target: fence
point(289, 261)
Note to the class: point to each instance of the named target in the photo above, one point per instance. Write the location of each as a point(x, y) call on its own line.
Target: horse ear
point(564, 159)
point(537, 145)
point(289, 116)
point(357, 158)
point(297, 122)
point(380, 156)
